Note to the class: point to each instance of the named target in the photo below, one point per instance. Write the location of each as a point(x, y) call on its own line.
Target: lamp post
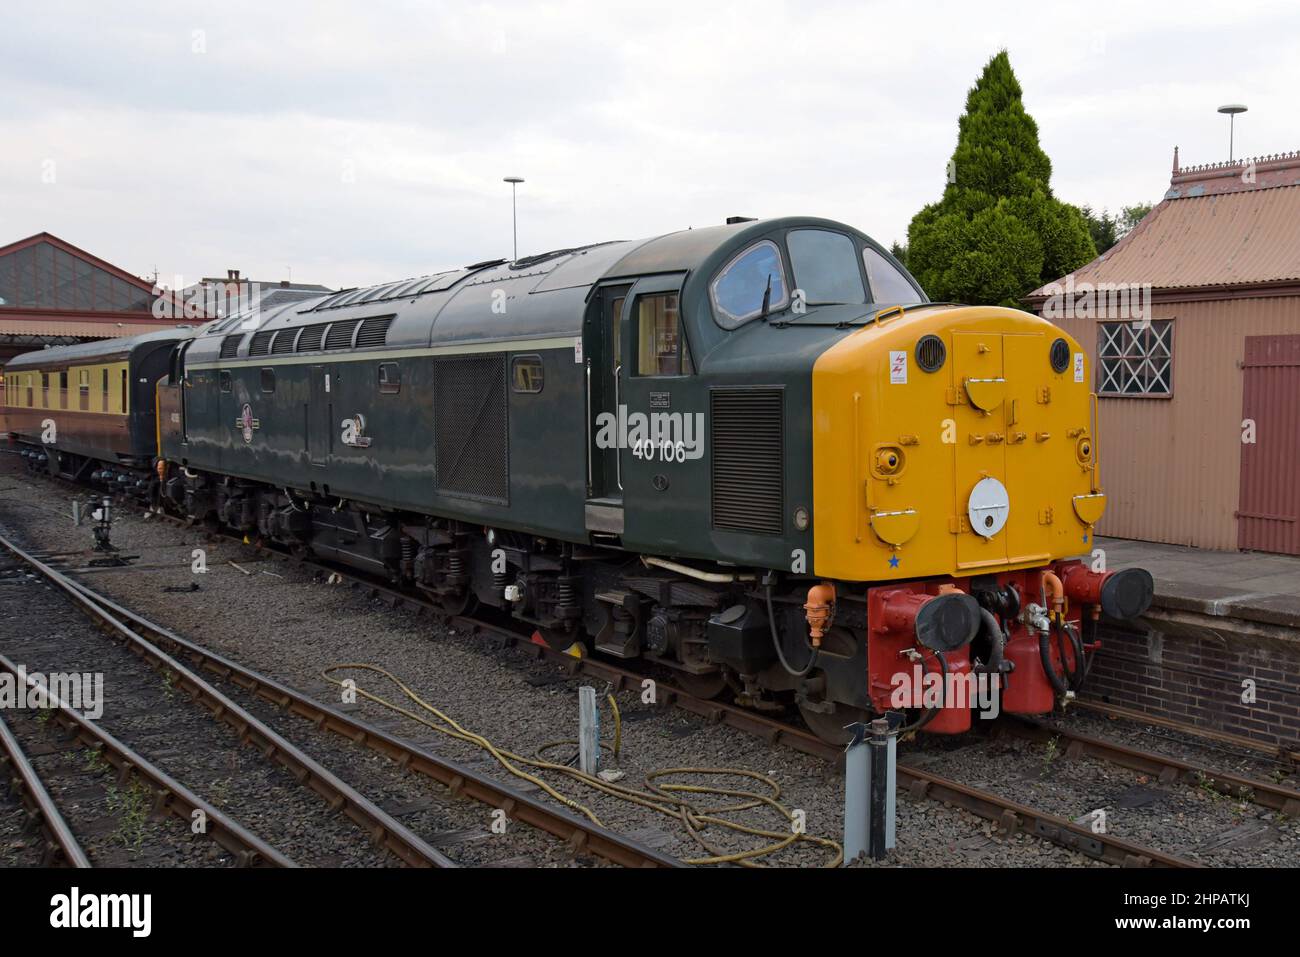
point(514, 182)
point(1232, 109)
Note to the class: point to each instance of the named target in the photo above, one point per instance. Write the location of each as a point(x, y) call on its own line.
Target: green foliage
point(1106, 230)
point(998, 232)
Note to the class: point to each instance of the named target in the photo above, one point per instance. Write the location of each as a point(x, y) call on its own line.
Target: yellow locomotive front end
point(952, 441)
point(956, 480)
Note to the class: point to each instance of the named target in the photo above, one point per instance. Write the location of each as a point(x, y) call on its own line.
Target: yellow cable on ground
point(663, 798)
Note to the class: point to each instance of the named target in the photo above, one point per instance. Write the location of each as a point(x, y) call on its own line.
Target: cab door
point(603, 368)
point(319, 416)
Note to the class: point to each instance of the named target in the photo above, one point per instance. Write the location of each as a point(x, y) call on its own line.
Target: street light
point(1232, 109)
point(514, 182)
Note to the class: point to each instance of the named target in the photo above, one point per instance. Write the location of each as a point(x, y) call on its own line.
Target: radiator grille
point(471, 453)
point(230, 345)
point(747, 442)
point(374, 332)
point(283, 341)
point(340, 335)
point(310, 338)
point(261, 343)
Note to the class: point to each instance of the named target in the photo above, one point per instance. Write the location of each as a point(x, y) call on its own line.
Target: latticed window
point(1135, 358)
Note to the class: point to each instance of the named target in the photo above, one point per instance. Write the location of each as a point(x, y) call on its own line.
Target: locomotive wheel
point(463, 604)
point(701, 686)
point(830, 726)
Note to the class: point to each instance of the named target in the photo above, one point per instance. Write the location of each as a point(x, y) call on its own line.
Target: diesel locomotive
point(755, 454)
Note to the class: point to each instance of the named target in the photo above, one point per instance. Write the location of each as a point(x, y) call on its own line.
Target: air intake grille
point(310, 338)
point(471, 451)
point(230, 346)
point(746, 431)
point(283, 341)
point(340, 335)
point(374, 332)
point(261, 343)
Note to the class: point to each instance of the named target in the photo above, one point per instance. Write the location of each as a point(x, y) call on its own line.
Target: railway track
point(61, 845)
point(155, 642)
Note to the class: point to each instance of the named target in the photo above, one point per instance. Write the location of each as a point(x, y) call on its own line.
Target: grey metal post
point(76, 511)
point(588, 731)
point(870, 784)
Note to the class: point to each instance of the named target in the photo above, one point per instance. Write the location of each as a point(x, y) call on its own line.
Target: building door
point(1268, 511)
point(318, 416)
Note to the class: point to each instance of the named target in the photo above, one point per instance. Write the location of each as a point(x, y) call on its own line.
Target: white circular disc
point(988, 507)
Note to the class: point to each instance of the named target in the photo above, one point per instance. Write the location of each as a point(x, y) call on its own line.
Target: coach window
point(662, 349)
point(124, 392)
point(268, 380)
point(390, 378)
point(83, 390)
point(31, 398)
point(526, 374)
point(45, 390)
point(63, 390)
point(223, 378)
point(744, 284)
point(103, 389)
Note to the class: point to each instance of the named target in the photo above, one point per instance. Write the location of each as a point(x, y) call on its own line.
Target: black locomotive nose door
point(319, 416)
point(603, 369)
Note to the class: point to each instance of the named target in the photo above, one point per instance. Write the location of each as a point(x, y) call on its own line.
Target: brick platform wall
point(1196, 678)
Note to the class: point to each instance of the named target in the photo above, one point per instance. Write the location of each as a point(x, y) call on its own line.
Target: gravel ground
point(303, 625)
point(1194, 822)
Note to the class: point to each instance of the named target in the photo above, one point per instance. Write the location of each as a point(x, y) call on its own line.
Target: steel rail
point(60, 843)
point(383, 828)
point(1166, 768)
point(580, 834)
point(170, 796)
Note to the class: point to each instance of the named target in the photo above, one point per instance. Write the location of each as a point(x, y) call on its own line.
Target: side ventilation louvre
point(283, 341)
point(374, 332)
point(261, 343)
point(310, 338)
point(230, 345)
point(471, 439)
point(747, 440)
point(340, 335)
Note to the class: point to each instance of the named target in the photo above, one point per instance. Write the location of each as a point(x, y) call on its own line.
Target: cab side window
point(662, 349)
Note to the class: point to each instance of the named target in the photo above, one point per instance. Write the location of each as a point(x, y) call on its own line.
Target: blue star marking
point(1085, 538)
point(893, 561)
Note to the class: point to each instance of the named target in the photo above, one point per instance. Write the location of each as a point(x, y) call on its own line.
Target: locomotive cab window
point(755, 275)
point(526, 374)
point(825, 266)
point(662, 349)
point(390, 378)
point(268, 380)
point(888, 285)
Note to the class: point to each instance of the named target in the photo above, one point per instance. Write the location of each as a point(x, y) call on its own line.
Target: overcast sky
point(360, 142)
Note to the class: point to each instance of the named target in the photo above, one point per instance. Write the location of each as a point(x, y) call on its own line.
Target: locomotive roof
point(534, 299)
point(96, 351)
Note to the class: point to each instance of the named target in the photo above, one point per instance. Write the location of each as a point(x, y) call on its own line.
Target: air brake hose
point(1045, 652)
point(776, 639)
point(928, 715)
point(997, 640)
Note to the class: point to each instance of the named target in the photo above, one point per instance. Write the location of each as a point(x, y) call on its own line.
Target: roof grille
point(310, 338)
point(230, 345)
point(283, 342)
point(261, 343)
point(340, 334)
point(374, 332)
point(747, 427)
